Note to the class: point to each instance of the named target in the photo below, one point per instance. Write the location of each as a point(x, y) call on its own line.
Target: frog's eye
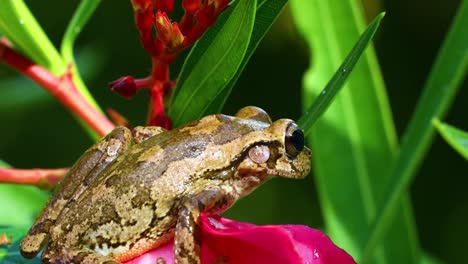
point(259, 154)
point(294, 141)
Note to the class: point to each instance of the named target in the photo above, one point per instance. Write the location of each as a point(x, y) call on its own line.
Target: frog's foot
point(187, 245)
point(57, 255)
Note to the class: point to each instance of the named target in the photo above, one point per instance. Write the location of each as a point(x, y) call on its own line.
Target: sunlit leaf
point(20, 26)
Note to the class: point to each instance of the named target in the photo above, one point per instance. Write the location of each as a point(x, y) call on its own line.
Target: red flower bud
point(210, 11)
point(165, 6)
point(168, 32)
point(191, 6)
point(143, 12)
point(219, 6)
point(141, 4)
point(124, 86)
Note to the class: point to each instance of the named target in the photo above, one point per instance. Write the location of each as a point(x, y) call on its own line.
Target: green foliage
point(20, 26)
point(77, 23)
point(354, 141)
point(457, 138)
point(440, 89)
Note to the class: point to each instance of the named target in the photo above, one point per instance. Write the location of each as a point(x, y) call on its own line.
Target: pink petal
point(165, 252)
point(239, 242)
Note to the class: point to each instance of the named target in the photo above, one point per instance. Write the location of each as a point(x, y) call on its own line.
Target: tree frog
point(136, 189)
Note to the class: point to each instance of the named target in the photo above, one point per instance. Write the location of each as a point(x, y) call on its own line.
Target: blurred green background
point(38, 132)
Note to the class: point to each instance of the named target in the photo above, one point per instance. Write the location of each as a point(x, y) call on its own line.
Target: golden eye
point(294, 140)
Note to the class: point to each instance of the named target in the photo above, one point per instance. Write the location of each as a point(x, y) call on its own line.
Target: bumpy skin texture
point(122, 199)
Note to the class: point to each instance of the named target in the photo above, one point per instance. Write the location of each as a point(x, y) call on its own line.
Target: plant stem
point(63, 88)
point(43, 178)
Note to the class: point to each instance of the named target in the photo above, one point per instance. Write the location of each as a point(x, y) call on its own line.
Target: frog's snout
point(301, 165)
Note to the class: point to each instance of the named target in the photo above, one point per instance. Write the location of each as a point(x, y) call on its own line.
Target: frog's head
point(274, 148)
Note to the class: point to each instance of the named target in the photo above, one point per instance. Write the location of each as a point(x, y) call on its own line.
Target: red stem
point(62, 88)
point(160, 71)
point(143, 82)
point(42, 178)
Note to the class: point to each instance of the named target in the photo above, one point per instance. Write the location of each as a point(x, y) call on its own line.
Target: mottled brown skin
point(129, 194)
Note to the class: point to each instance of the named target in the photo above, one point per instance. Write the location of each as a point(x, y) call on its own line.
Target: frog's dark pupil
point(297, 139)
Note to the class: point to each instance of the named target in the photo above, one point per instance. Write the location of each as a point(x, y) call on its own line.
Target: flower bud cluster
point(163, 40)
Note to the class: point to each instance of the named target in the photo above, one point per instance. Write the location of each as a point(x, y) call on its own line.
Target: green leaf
point(76, 25)
point(445, 78)
point(217, 62)
point(457, 138)
point(354, 141)
point(267, 13)
point(22, 29)
point(324, 99)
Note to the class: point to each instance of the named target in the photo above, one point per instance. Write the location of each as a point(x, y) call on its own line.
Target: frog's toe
point(32, 244)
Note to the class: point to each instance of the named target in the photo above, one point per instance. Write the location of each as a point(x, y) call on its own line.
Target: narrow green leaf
point(267, 13)
point(324, 99)
point(444, 80)
point(457, 138)
point(76, 25)
point(20, 26)
point(217, 65)
point(354, 141)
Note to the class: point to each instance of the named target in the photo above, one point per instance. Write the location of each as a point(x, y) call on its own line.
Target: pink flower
point(238, 242)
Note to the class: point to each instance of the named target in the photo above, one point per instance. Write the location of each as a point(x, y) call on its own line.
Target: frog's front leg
point(85, 170)
point(188, 233)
